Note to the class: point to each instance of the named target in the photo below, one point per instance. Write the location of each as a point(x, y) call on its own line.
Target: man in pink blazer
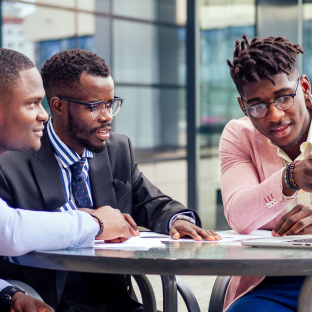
point(266, 162)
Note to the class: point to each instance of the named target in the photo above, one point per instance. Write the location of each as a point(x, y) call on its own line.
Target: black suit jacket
point(31, 180)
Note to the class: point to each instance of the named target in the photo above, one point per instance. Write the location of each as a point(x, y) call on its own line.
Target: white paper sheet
point(134, 243)
point(148, 240)
point(231, 235)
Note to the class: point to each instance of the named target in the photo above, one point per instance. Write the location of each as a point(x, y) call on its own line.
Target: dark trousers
point(278, 294)
point(93, 292)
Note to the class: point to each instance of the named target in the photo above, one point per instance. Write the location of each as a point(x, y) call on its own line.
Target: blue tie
point(79, 186)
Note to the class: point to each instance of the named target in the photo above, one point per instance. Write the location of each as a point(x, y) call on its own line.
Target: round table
point(182, 258)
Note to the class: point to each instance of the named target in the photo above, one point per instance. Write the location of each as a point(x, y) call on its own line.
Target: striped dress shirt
point(66, 156)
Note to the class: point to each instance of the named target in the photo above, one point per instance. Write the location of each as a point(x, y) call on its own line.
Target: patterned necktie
point(79, 186)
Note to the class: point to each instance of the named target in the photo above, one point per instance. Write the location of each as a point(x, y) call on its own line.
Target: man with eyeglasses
point(81, 160)
point(266, 162)
point(22, 119)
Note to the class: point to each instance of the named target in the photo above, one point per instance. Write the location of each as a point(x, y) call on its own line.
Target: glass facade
point(307, 39)
point(221, 23)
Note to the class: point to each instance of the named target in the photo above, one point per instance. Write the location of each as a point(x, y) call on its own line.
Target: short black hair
point(11, 64)
point(62, 71)
point(262, 58)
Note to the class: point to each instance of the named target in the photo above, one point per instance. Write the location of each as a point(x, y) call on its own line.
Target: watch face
point(5, 303)
point(5, 300)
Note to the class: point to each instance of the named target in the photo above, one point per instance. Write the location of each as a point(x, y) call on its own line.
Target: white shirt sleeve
point(22, 231)
point(3, 284)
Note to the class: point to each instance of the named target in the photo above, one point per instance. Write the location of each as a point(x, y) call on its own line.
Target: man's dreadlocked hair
point(262, 58)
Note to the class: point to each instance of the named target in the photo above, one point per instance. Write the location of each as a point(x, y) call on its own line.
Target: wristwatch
point(6, 296)
point(183, 217)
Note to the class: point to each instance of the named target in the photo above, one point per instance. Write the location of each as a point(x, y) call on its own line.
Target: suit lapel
point(47, 174)
point(101, 180)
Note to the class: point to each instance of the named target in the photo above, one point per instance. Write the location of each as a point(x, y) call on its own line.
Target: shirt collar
point(305, 148)
point(66, 154)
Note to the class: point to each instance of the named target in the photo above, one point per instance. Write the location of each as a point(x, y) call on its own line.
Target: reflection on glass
point(170, 11)
point(145, 53)
point(307, 39)
point(152, 117)
point(221, 24)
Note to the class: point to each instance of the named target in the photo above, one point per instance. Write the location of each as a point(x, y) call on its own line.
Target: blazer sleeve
point(150, 207)
point(67, 229)
point(251, 201)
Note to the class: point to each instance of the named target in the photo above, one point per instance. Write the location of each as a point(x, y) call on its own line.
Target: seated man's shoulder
point(15, 157)
point(243, 123)
point(241, 129)
point(117, 140)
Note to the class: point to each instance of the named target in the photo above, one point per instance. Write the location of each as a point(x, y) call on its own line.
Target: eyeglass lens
point(283, 103)
point(112, 107)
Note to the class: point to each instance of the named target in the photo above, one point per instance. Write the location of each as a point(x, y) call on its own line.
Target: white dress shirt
point(22, 231)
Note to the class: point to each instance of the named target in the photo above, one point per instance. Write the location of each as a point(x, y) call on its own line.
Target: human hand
point(24, 303)
point(116, 227)
point(181, 228)
point(297, 221)
point(303, 174)
point(134, 227)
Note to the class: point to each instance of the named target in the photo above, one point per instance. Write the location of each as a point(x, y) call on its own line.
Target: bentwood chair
point(218, 293)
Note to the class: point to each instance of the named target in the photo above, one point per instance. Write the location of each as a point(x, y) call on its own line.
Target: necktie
point(79, 186)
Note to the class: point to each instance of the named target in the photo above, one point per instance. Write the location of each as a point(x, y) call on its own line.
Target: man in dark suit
point(80, 92)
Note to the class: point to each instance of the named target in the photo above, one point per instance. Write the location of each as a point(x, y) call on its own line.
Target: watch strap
point(6, 296)
point(183, 217)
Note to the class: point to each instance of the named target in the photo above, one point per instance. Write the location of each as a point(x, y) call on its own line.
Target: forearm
point(22, 231)
point(250, 206)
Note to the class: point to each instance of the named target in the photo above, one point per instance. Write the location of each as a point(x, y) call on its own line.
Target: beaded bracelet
point(289, 176)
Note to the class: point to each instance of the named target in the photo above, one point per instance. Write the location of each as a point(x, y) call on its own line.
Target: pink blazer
point(251, 188)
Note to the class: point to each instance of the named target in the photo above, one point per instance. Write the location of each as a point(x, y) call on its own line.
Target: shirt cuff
point(4, 284)
point(186, 213)
point(67, 207)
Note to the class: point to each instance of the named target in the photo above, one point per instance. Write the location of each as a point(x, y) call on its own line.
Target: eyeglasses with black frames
point(98, 108)
point(283, 102)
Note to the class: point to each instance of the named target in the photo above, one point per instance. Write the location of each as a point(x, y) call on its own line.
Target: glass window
point(170, 11)
point(149, 54)
point(152, 117)
point(307, 39)
point(221, 23)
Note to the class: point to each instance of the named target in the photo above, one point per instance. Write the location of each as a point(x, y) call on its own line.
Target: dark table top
point(178, 258)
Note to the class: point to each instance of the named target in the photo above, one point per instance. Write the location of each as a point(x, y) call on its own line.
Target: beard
point(296, 141)
point(73, 129)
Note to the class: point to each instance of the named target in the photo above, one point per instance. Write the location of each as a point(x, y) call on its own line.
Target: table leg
point(305, 298)
point(170, 294)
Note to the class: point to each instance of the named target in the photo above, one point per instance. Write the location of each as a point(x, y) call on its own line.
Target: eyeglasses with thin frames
point(282, 102)
point(98, 108)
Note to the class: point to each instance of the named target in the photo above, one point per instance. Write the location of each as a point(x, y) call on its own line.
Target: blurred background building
point(168, 61)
